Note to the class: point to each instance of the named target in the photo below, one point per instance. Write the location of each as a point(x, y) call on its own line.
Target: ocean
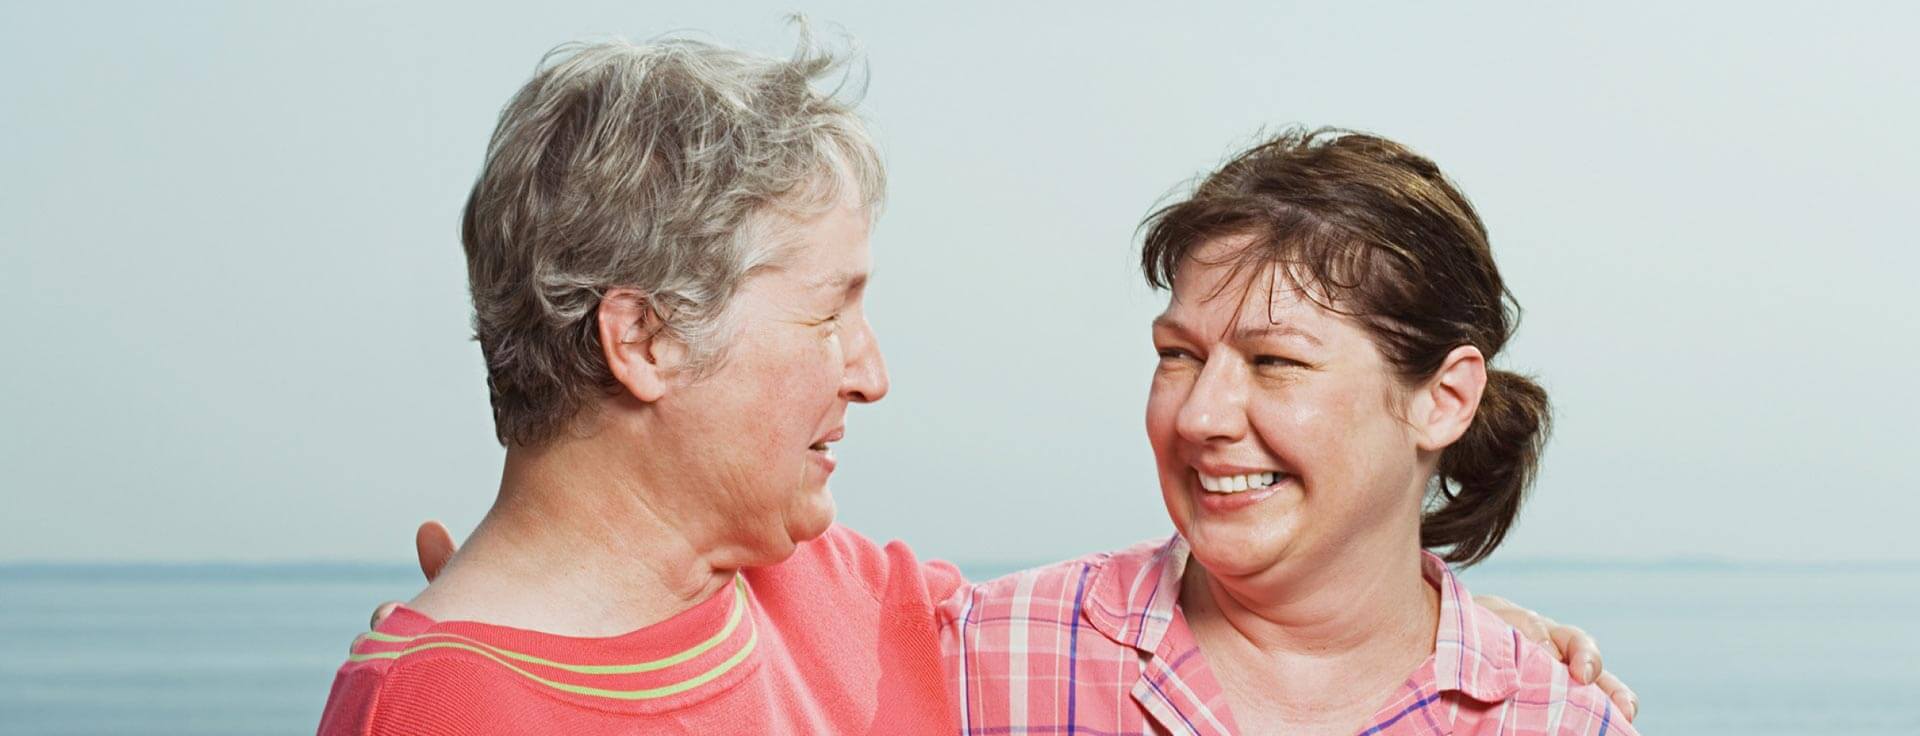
point(1712, 648)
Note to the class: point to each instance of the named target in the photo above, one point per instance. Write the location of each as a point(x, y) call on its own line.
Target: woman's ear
point(640, 353)
point(1443, 408)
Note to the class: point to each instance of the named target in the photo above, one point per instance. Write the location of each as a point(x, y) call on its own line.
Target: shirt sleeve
point(350, 704)
point(909, 590)
point(448, 696)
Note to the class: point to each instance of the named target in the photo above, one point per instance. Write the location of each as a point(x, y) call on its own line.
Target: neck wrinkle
point(587, 546)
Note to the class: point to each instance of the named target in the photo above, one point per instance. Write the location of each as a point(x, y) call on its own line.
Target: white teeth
point(1236, 483)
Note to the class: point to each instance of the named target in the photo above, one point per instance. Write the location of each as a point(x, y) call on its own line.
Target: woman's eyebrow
point(844, 281)
point(1251, 333)
point(1248, 333)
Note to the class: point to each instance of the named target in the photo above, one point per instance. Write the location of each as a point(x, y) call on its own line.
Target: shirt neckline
point(1136, 595)
point(683, 659)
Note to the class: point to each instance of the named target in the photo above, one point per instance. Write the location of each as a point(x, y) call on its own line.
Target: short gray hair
point(665, 167)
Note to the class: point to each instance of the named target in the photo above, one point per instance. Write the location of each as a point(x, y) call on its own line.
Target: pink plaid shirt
point(1099, 646)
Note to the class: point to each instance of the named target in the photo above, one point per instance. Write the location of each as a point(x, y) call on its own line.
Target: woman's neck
point(1339, 635)
point(570, 551)
point(1342, 605)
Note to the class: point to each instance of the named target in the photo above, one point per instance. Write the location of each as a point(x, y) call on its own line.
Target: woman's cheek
point(1162, 407)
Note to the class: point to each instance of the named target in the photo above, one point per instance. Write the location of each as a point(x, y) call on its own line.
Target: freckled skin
point(1321, 413)
point(1315, 583)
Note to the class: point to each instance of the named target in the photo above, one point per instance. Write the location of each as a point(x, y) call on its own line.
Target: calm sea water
point(1720, 649)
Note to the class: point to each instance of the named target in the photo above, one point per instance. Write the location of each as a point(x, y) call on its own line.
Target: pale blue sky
point(234, 322)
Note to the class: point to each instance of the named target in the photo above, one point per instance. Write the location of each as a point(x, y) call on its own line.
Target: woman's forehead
point(1240, 301)
point(829, 246)
point(1238, 285)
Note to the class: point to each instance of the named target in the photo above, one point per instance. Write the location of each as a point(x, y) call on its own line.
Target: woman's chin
point(1238, 549)
point(813, 515)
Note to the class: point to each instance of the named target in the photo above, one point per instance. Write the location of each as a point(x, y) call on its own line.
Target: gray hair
point(667, 167)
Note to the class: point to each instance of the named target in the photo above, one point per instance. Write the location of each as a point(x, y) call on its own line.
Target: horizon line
point(1671, 562)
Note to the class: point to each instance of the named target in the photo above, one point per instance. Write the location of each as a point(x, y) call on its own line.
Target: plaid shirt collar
point(1134, 600)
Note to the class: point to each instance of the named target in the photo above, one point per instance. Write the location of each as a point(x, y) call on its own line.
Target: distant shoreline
point(325, 571)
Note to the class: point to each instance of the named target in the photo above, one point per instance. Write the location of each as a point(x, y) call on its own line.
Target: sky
point(233, 319)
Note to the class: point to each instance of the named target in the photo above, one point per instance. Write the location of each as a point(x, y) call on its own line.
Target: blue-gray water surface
point(223, 649)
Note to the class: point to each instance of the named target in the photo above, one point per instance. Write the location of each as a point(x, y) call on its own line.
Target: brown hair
point(1374, 231)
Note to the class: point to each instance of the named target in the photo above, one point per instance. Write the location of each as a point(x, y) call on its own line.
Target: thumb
point(434, 545)
point(380, 613)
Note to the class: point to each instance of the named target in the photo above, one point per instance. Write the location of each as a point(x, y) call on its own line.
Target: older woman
point(667, 250)
point(1324, 412)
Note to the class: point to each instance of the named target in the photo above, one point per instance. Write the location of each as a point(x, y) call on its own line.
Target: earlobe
point(633, 344)
point(1453, 397)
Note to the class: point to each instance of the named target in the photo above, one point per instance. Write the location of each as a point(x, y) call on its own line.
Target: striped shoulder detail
point(655, 678)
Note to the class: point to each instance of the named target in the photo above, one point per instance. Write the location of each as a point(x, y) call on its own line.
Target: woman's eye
point(1275, 361)
point(1173, 354)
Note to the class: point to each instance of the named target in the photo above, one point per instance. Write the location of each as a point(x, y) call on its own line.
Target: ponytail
point(1484, 476)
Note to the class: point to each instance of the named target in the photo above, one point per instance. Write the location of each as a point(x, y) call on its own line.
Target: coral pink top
point(839, 638)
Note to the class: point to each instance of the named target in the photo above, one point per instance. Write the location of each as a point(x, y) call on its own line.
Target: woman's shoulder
point(1499, 681)
point(1566, 707)
point(1080, 603)
point(1067, 577)
point(1544, 698)
point(842, 561)
point(1037, 649)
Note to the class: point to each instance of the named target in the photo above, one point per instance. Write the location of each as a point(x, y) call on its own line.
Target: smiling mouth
point(821, 445)
point(1228, 484)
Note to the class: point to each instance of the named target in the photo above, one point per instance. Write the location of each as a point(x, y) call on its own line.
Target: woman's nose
point(866, 376)
point(1215, 408)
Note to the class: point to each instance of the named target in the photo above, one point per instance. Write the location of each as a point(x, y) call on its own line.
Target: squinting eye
point(1173, 354)
point(1276, 361)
